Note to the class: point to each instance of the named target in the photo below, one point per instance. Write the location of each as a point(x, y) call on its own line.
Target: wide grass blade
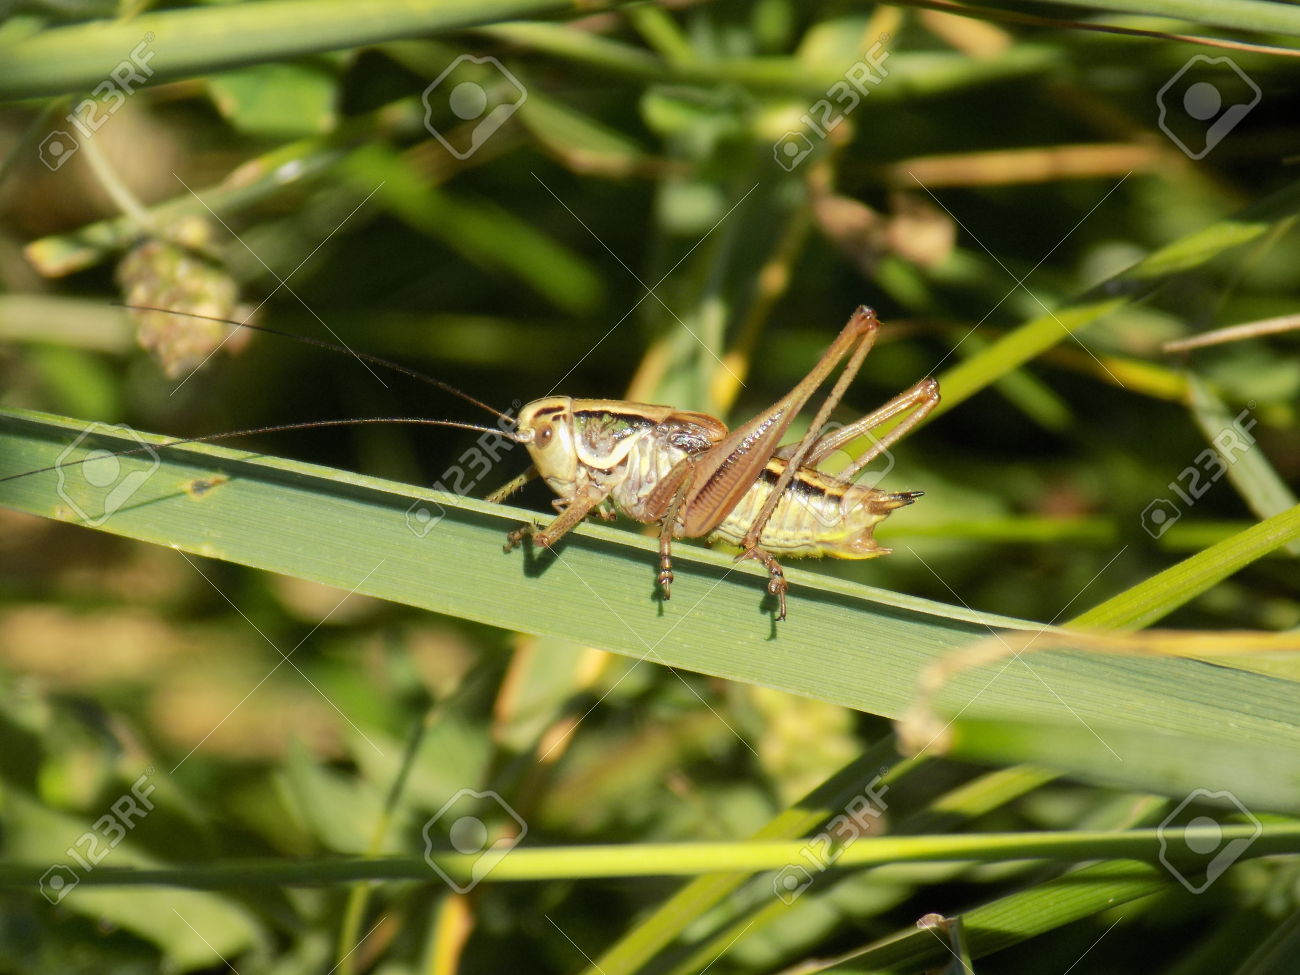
point(844, 643)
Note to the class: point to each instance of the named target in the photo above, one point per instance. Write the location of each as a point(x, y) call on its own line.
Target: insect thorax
point(627, 454)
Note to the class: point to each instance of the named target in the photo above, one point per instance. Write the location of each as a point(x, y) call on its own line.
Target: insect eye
point(544, 436)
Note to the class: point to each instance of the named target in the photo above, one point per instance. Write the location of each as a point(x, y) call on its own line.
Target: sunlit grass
point(268, 679)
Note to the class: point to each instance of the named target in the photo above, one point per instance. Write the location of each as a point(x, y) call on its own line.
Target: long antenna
point(277, 428)
point(321, 343)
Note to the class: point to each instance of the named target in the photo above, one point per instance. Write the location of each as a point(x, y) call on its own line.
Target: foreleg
point(684, 474)
point(575, 512)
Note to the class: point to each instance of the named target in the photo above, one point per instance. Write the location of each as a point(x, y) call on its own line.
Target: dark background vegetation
point(991, 152)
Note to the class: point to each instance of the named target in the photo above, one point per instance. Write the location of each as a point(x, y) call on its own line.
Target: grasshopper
point(684, 470)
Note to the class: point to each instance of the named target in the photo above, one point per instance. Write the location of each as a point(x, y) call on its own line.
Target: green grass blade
point(1153, 598)
point(197, 40)
point(533, 863)
point(1278, 952)
point(1012, 919)
point(945, 813)
point(844, 643)
point(657, 931)
point(911, 73)
point(1250, 472)
point(1037, 336)
point(1257, 16)
point(1261, 775)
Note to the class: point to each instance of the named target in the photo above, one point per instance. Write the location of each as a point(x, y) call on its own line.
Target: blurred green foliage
point(658, 215)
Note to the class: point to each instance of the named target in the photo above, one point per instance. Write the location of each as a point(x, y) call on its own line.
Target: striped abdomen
point(818, 515)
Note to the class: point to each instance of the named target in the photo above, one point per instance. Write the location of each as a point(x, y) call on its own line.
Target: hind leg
point(776, 584)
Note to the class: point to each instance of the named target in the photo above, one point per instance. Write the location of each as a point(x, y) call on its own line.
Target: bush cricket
point(685, 471)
